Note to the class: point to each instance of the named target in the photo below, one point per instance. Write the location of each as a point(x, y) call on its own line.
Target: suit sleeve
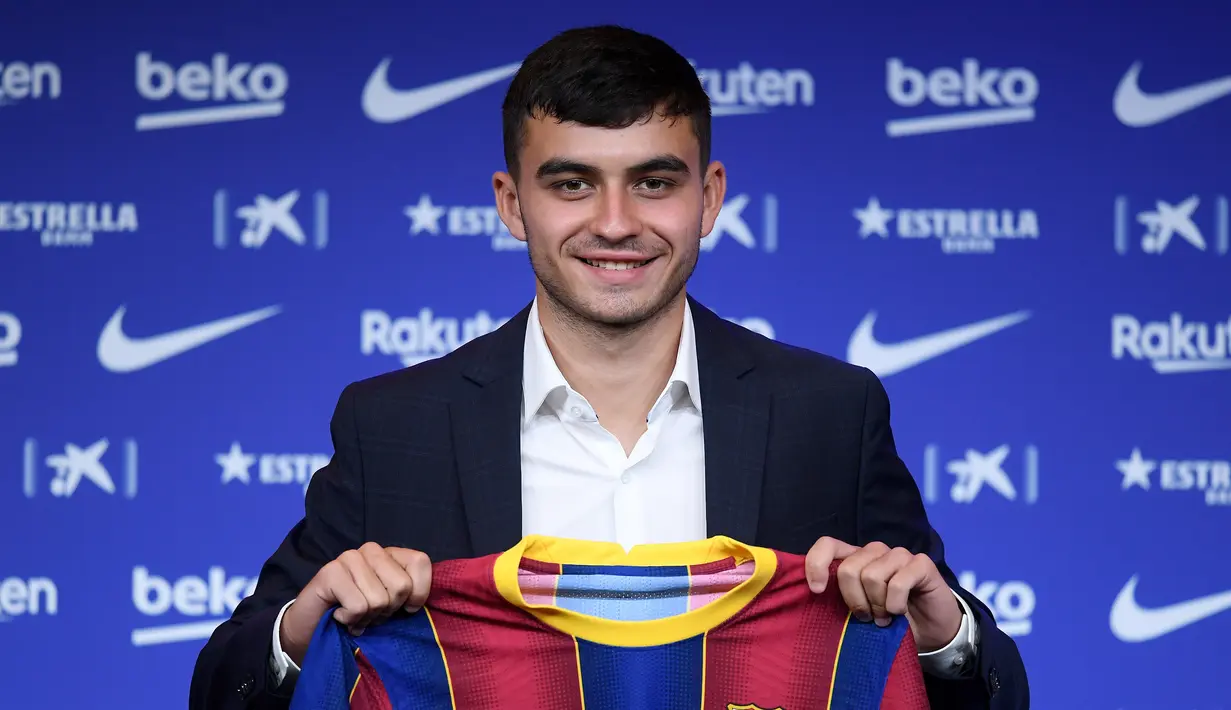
point(891, 511)
point(904, 688)
point(232, 670)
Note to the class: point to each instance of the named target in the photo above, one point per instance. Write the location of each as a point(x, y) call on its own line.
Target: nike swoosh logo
point(1131, 623)
point(888, 359)
point(119, 353)
point(1138, 109)
point(384, 104)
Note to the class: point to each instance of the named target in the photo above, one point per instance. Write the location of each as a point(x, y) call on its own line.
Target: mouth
point(607, 265)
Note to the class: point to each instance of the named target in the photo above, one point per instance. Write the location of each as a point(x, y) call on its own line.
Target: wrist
point(286, 638)
point(943, 633)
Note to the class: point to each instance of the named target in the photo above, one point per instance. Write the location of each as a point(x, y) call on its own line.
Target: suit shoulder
point(795, 366)
point(423, 378)
point(431, 379)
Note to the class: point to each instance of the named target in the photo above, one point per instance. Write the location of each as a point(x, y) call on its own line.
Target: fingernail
point(882, 622)
point(817, 587)
point(411, 609)
point(356, 632)
point(865, 618)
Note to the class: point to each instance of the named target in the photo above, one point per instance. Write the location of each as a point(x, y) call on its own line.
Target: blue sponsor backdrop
point(1045, 186)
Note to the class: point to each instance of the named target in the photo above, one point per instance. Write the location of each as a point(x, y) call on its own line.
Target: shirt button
point(625, 478)
point(576, 411)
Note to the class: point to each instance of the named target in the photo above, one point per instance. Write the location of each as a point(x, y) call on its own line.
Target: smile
point(617, 265)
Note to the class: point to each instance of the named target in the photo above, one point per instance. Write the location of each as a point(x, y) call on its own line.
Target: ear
point(508, 204)
point(713, 192)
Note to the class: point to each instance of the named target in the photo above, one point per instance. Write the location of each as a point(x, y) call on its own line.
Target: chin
point(622, 310)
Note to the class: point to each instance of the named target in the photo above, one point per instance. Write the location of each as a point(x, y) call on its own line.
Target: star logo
point(1136, 471)
point(873, 219)
point(235, 464)
point(424, 216)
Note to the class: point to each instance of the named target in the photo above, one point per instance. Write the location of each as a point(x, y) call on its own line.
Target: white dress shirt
point(577, 481)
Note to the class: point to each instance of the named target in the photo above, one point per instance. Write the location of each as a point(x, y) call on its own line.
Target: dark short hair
point(605, 76)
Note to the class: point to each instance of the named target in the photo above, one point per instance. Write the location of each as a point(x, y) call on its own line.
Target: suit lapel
point(735, 416)
point(486, 421)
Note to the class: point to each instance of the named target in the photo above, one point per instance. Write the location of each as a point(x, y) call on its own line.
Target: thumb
point(418, 567)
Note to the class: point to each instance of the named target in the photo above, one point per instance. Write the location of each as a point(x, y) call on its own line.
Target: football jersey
point(556, 624)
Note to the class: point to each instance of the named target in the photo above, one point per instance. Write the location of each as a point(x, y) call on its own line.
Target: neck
point(620, 370)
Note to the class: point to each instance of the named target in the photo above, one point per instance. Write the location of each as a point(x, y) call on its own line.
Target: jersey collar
point(653, 632)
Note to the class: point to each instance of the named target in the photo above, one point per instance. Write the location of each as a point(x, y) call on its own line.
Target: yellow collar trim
point(652, 632)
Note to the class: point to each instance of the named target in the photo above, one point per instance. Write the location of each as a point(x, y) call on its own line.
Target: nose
point(615, 216)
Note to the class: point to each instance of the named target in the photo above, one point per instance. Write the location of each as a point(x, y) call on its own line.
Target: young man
point(613, 407)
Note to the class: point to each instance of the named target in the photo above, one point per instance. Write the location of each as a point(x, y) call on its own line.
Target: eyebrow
point(659, 163)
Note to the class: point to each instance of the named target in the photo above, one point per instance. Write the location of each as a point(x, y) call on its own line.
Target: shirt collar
point(541, 376)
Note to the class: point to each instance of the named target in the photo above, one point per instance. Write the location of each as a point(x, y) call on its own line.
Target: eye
point(656, 184)
point(572, 185)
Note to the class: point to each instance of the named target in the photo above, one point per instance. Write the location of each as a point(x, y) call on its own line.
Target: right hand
point(368, 585)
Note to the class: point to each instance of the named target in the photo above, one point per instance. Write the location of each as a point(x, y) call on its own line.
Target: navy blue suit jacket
point(798, 446)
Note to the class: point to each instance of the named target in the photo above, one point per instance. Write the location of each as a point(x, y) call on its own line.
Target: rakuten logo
point(1175, 346)
point(417, 339)
point(215, 595)
point(20, 81)
point(745, 89)
point(28, 597)
point(982, 97)
point(246, 91)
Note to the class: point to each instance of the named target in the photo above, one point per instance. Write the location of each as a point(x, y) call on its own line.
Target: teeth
point(616, 265)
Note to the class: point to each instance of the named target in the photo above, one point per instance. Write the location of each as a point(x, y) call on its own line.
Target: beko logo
point(216, 595)
point(240, 91)
point(973, 97)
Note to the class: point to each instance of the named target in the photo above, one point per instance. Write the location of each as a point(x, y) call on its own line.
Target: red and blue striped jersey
point(556, 624)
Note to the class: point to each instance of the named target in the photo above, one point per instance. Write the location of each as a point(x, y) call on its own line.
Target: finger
point(368, 583)
point(341, 587)
point(419, 567)
point(391, 575)
point(875, 578)
point(907, 579)
point(818, 559)
point(850, 582)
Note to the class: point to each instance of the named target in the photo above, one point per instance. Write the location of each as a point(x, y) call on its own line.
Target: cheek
point(551, 224)
point(677, 221)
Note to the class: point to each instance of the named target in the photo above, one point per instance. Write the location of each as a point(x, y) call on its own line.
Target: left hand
point(879, 582)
